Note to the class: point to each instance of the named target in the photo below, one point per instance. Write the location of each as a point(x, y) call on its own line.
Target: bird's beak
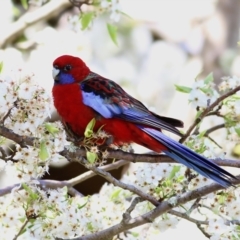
point(55, 74)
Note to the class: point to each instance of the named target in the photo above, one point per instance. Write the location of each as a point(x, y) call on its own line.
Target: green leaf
point(198, 114)
point(209, 78)
point(24, 4)
point(90, 226)
point(233, 97)
point(237, 130)
point(84, 204)
point(86, 18)
point(112, 30)
point(175, 169)
point(134, 234)
point(116, 193)
point(1, 66)
point(22, 231)
point(91, 157)
point(222, 198)
point(33, 195)
point(89, 128)
point(183, 89)
point(236, 150)
point(202, 133)
point(22, 219)
point(182, 131)
point(16, 12)
point(51, 128)
point(43, 153)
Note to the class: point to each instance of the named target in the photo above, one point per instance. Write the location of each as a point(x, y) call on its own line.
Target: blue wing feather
point(100, 105)
point(111, 101)
point(192, 160)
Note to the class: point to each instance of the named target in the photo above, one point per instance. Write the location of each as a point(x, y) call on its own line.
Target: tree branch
point(74, 193)
point(206, 111)
point(126, 215)
point(207, 235)
point(113, 154)
point(45, 184)
point(113, 180)
point(47, 11)
point(53, 184)
point(21, 229)
point(83, 177)
point(212, 129)
point(186, 217)
point(162, 208)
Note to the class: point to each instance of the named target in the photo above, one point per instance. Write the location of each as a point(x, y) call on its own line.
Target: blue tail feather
point(189, 158)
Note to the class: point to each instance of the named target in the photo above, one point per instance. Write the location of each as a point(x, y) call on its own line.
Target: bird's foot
point(106, 144)
point(189, 175)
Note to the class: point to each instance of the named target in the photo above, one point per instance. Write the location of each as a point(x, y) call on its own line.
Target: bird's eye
point(67, 68)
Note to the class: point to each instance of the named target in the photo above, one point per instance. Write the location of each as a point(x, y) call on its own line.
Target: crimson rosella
point(81, 95)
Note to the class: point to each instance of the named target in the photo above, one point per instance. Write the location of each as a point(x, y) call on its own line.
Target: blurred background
point(160, 43)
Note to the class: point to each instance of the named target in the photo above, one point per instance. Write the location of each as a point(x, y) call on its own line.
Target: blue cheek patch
point(65, 78)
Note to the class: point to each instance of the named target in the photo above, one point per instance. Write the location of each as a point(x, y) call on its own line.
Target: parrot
point(79, 95)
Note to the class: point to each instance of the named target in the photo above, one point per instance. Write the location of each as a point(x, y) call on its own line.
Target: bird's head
point(68, 69)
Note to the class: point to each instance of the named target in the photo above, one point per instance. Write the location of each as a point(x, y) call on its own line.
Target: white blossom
point(114, 7)
point(164, 224)
point(198, 98)
point(217, 226)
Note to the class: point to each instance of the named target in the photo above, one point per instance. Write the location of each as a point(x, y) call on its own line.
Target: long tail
point(192, 160)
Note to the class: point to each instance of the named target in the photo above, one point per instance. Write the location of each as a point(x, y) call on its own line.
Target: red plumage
point(69, 104)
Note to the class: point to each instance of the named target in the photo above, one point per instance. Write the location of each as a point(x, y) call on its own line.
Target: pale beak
point(55, 73)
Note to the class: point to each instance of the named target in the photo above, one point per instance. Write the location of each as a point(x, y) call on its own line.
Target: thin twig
point(211, 139)
point(216, 112)
point(116, 182)
point(21, 140)
point(83, 177)
point(3, 152)
point(53, 184)
point(6, 115)
point(187, 217)
point(21, 229)
point(127, 214)
point(212, 129)
point(207, 235)
point(194, 205)
point(44, 184)
point(74, 193)
point(206, 111)
point(230, 222)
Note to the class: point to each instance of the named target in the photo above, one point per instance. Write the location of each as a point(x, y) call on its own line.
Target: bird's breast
point(68, 101)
